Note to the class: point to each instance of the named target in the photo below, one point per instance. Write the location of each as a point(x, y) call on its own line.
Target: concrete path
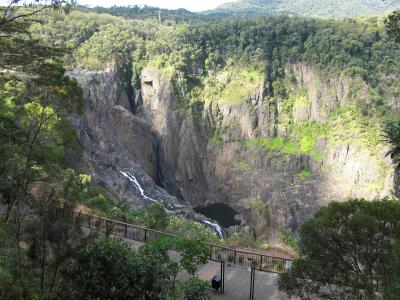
point(237, 280)
point(237, 283)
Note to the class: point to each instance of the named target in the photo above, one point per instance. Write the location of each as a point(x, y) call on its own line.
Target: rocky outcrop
point(114, 139)
point(324, 94)
point(347, 168)
point(170, 153)
point(182, 141)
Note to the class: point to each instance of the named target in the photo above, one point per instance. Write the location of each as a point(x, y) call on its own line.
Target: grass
point(349, 125)
point(278, 144)
point(230, 86)
point(303, 175)
point(241, 85)
point(308, 134)
point(301, 100)
point(305, 136)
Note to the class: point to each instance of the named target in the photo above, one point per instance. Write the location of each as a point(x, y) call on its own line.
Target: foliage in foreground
point(34, 251)
point(348, 251)
point(111, 269)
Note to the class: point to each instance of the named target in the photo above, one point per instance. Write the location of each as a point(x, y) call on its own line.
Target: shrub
point(289, 239)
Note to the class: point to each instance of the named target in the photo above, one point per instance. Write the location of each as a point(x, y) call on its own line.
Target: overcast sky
point(192, 5)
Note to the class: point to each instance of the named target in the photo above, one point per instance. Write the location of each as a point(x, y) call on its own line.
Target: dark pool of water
point(222, 213)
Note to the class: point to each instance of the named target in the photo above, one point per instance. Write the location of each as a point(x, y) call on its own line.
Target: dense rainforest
point(210, 66)
point(195, 57)
point(335, 9)
point(261, 46)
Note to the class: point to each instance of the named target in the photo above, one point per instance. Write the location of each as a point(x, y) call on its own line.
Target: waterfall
point(216, 228)
point(85, 132)
point(132, 178)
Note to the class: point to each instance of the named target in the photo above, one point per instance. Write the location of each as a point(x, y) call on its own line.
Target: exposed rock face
point(182, 142)
point(324, 98)
point(116, 140)
point(161, 144)
point(237, 174)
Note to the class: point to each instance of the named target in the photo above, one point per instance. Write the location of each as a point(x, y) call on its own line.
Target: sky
point(192, 5)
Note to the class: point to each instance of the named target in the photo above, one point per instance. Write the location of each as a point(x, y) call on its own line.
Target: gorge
point(274, 131)
point(178, 164)
point(147, 151)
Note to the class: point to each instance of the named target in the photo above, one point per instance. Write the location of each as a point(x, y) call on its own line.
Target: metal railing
point(133, 232)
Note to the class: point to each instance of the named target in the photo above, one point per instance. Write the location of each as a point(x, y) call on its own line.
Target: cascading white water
point(132, 178)
point(216, 228)
point(85, 132)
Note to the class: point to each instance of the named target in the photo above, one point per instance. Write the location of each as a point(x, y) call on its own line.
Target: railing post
point(244, 258)
point(261, 262)
point(222, 276)
point(251, 281)
point(252, 277)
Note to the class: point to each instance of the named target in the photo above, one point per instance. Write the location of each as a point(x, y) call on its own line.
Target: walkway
point(237, 283)
point(237, 278)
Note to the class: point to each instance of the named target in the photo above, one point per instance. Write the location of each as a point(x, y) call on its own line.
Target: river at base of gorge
point(220, 212)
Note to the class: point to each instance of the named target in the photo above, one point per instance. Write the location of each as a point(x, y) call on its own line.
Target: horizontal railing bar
point(216, 249)
point(245, 252)
point(123, 223)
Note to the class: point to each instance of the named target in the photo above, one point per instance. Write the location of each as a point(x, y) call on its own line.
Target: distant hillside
point(148, 12)
point(308, 8)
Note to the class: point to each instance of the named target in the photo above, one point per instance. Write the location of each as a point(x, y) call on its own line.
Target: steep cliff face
point(338, 163)
point(116, 142)
point(181, 140)
point(309, 148)
point(295, 152)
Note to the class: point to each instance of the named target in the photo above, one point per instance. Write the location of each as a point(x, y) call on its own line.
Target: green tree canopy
point(393, 25)
point(111, 269)
point(346, 252)
point(18, 49)
point(392, 136)
point(157, 217)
